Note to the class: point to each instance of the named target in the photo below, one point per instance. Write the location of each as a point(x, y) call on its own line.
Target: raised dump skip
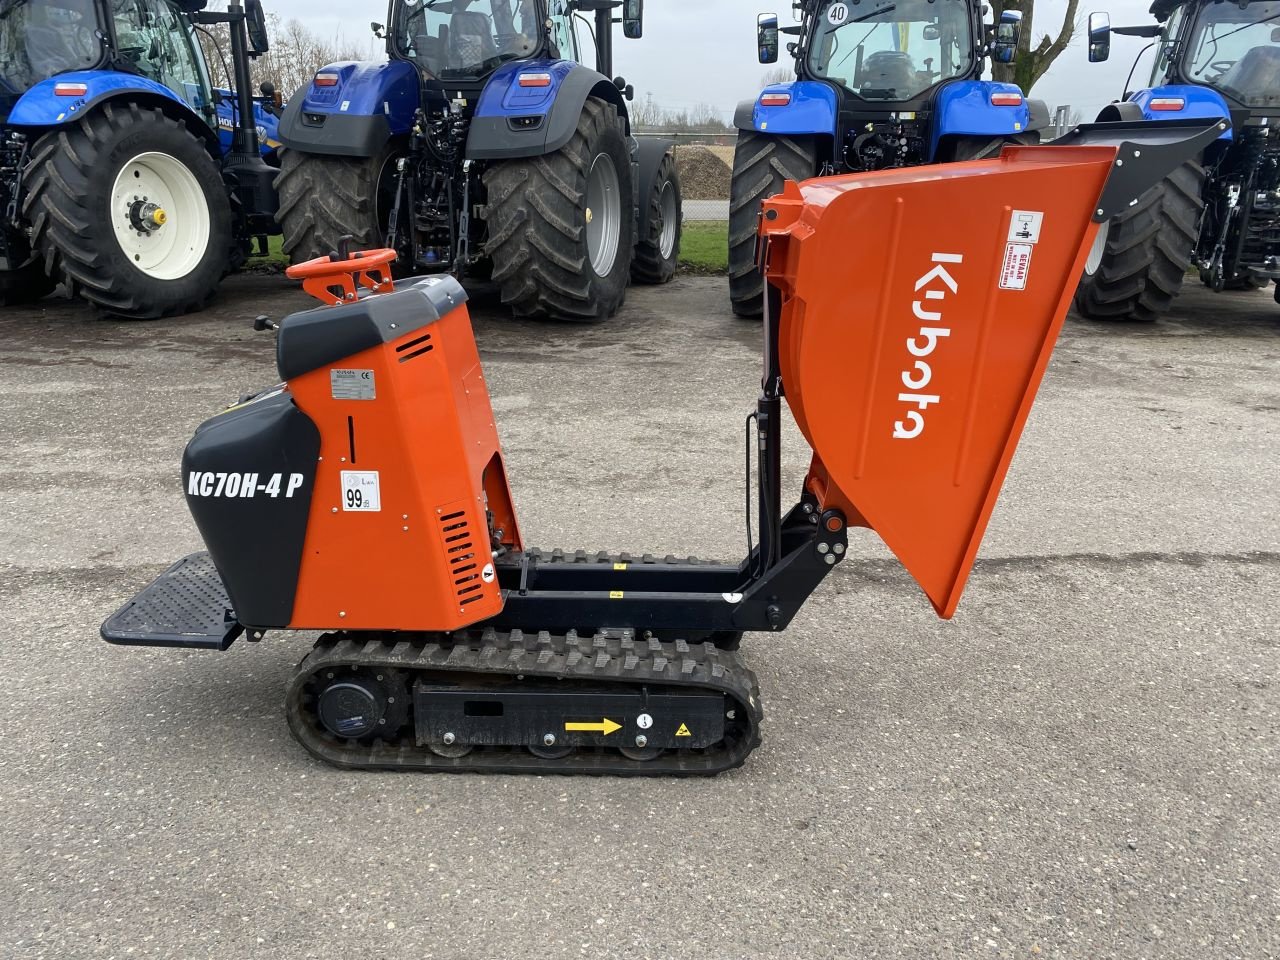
point(918, 312)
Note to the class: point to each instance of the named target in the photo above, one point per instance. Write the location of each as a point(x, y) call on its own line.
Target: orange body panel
point(920, 308)
point(423, 559)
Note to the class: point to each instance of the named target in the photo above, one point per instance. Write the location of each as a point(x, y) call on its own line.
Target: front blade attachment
point(920, 308)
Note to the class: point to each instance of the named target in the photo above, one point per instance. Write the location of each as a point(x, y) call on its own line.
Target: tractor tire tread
point(72, 238)
point(536, 232)
point(760, 165)
point(1148, 250)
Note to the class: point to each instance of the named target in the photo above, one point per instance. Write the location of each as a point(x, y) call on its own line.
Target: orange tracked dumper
point(365, 495)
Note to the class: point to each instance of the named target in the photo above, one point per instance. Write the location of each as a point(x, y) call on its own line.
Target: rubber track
point(760, 164)
point(537, 239)
point(1149, 248)
point(597, 660)
point(322, 199)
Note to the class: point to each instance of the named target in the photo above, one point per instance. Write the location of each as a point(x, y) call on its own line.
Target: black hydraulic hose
point(226, 70)
point(751, 547)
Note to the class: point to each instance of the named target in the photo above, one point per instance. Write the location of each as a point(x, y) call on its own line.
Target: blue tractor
point(125, 175)
point(1218, 214)
point(879, 84)
point(484, 147)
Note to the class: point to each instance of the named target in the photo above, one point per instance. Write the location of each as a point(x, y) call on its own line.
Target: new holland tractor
point(1220, 212)
point(879, 84)
point(124, 174)
point(485, 148)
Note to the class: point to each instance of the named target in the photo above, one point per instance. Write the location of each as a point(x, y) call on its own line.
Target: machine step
point(186, 606)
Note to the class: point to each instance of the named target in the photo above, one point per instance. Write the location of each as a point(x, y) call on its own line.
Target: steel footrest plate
point(186, 606)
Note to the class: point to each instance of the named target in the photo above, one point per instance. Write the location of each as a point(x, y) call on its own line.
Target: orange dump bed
point(919, 310)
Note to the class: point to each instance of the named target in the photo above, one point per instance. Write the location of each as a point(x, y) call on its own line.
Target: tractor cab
point(897, 51)
point(466, 40)
point(901, 78)
point(152, 39)
point(1232, 47)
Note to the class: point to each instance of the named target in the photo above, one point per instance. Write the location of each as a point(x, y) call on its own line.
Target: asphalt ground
point(1083, 763)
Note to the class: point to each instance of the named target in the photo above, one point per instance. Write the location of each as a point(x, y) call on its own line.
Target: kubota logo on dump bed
point(204, 483)
point(937, 285)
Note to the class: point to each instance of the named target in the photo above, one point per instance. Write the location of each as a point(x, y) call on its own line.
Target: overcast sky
point(703, 51)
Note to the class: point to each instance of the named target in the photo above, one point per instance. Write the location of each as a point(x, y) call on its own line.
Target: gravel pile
point(703, 175)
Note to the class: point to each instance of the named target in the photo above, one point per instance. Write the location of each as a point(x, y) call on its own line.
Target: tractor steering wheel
point(1222, 66)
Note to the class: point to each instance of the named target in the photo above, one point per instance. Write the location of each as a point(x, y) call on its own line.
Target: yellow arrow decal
point(605, 726)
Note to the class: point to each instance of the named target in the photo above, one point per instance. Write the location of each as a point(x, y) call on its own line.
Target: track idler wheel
point(641, 751)
point(355, 704)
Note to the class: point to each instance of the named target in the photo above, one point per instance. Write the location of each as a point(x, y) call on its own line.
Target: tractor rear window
point(459, 39)
point(39, 38)
point(891, 49)
point(1237, 49)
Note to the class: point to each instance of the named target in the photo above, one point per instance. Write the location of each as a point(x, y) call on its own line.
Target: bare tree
point(778, 74)
point(1031, 63)
point(295, 54)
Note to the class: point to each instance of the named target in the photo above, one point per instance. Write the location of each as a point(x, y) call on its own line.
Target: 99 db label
point(360, 490)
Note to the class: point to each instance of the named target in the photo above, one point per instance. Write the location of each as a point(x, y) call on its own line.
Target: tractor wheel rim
point(603, 214)
point(160, 216)
point(670, 220)
point(1098, 250)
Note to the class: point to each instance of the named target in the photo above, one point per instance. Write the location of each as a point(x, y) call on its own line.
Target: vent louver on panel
point(415, 348)
point(464, 561)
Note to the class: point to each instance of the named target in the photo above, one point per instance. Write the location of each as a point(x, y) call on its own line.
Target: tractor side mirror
point(1099, 37)
point(931, 31)
point(633, 19)
point(767, 37)
point(1008, 29)
point(379, 30)
point(256, 25)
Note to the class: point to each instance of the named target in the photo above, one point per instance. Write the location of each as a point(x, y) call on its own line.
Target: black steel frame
point(694, 601)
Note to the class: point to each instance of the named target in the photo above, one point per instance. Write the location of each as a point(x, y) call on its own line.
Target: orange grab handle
point(334, 281)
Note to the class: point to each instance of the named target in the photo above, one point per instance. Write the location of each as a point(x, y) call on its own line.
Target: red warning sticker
point(1017, 263)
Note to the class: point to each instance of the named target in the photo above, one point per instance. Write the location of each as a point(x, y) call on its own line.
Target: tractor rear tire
point(27, 284)
point(657, 254)
point(548, 259)
point(95, 189)
point(324, 198)
point(1147, 250)
point(760, 165)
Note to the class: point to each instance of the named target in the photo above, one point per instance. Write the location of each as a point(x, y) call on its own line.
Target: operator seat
point(470, 40)
point(1256, 77)
point(890, 74)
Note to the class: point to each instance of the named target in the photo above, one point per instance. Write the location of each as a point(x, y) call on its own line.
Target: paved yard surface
point(1084, 763)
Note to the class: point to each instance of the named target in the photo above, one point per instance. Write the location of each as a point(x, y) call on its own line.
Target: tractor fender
point(353, 117)
point(1196, 102)
point(965, 108)
point(650, 152)
point(42, 107)
point(811, 109)
point(526, 121)
point(1039, 117)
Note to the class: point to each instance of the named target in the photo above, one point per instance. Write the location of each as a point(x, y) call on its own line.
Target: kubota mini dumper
point(365, 496)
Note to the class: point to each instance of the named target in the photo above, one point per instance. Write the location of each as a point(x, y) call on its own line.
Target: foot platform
point(186, 606)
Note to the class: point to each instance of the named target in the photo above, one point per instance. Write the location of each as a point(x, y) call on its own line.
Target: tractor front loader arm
point(917, 310)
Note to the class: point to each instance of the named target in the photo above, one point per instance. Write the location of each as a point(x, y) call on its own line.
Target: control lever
point(263, 322)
